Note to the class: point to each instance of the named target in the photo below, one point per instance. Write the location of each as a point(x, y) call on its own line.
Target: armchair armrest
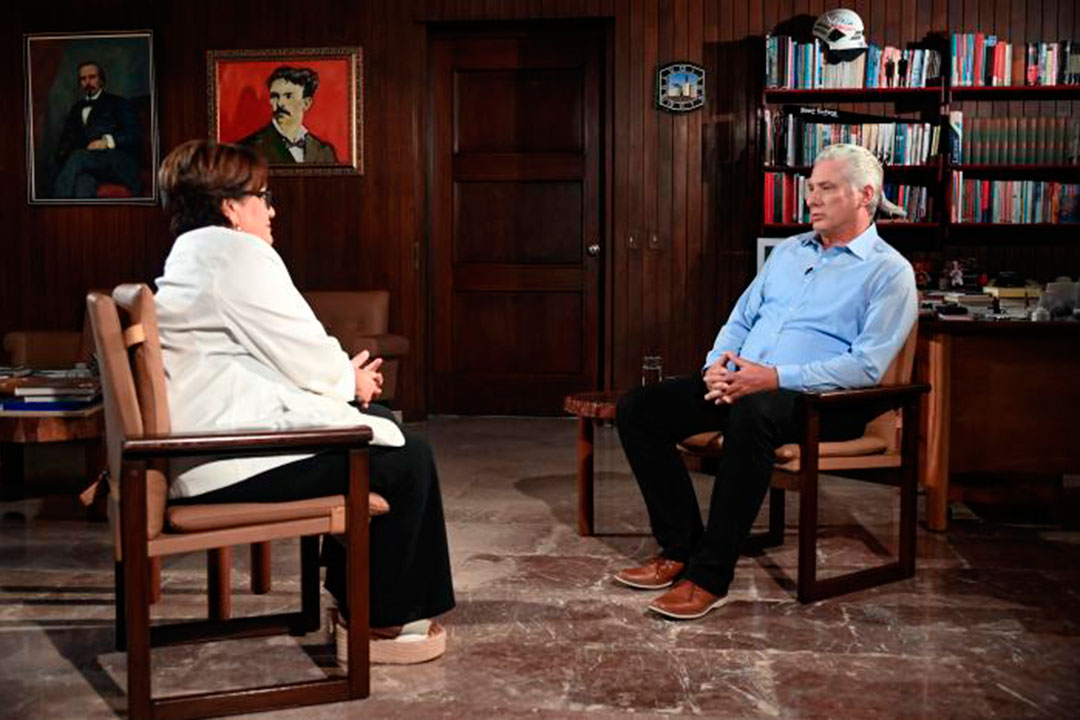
point(256, 442)
point(884, 394)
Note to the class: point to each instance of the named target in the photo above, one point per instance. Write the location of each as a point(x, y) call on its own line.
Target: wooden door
point(515, 219)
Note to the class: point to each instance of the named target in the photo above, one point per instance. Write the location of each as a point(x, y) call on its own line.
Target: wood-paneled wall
point(683, 190)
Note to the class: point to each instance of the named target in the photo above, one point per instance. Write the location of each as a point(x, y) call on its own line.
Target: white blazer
point(243, 350)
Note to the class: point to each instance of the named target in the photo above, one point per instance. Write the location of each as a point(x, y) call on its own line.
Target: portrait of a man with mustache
point(285, 139)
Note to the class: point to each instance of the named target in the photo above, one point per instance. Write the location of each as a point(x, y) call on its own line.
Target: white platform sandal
point(418, 642)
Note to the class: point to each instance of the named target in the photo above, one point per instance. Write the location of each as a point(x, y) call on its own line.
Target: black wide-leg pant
point(410, 560)
point(653, 419)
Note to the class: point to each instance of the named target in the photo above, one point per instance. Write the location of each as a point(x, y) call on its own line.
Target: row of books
point(1052, 63)
point(1021, 141)
point(1014, 201)
point(785, 199)
point(795, 136)
point(915, 200)
point(793, 65)
point(980, 60)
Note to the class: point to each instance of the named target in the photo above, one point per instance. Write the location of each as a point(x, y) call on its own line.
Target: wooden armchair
point(140, 443)
point(887, 452)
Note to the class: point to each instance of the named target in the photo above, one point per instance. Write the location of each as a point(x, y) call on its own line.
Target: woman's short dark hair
point(197, 175)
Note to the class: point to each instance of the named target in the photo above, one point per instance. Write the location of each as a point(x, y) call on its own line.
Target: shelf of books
point(951, 175)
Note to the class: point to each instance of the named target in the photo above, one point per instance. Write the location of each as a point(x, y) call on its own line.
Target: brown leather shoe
point(658, 573)
point(686, 601)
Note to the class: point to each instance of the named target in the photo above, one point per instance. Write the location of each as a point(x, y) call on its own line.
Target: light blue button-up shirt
point(826, 319)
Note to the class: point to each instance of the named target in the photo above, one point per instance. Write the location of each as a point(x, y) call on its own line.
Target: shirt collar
point(299, 135)
point(859, 247)
point(96, 95)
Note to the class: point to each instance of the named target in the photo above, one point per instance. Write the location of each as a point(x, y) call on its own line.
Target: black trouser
point(653, 419)
point(410, 561)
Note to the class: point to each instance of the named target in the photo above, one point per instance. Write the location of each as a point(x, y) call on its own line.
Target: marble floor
point(988, 628)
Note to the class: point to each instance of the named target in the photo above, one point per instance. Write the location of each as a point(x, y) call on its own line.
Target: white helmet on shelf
point(840, 29)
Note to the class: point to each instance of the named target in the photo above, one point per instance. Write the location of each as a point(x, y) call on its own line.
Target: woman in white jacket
point(242, 349)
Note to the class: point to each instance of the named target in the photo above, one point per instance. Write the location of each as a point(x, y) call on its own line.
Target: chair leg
point(909, 480)
point(136, 580)
point(260, 568)
point(808, 507)
point(586, 515)
point(309, 585)
point(218, 581)
point(358, 581)
point(121, 625)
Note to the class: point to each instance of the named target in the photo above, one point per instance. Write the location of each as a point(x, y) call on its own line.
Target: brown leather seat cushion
point(711, 444)
point(199, 518)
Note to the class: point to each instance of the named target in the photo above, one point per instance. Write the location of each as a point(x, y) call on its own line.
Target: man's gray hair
point(861, 169)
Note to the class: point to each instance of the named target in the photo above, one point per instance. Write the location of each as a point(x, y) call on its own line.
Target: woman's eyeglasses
point(266, 195)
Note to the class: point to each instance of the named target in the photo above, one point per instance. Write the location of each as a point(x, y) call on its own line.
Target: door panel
point(534, 222)
point(546, 349)
point(515, 202)
point(519, 111)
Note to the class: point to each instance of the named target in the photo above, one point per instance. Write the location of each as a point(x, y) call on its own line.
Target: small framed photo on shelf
point(765, 246)
point(302, 109)
point(91, 118)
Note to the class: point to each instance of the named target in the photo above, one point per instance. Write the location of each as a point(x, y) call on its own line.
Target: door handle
point(593, 250)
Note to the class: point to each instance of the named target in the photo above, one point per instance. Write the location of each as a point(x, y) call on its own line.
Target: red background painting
point(244, 100)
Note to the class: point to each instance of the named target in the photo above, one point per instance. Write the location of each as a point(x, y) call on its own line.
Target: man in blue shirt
point(830, 309)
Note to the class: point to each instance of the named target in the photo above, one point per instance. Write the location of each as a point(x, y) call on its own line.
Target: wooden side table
point(21, 428)
point(591, 408)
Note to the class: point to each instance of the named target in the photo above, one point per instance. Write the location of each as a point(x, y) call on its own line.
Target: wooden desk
point(1005, 399)
point(20, 428)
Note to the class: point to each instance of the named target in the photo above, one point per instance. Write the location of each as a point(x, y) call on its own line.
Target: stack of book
point(797, 66)
point(794, 135)
point(1022, 141)
point(44, 393)
point(981, 61)
point(785, 199)
point(1014, 201)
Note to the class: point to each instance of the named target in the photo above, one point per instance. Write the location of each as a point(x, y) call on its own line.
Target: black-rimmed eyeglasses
point(266, 195)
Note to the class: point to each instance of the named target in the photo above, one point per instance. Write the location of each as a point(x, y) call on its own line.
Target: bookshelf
point(933, 104)
point(1016, 92)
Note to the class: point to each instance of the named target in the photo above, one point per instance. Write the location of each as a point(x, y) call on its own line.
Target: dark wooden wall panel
point(684, 188)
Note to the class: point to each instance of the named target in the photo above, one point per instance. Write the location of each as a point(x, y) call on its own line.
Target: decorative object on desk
point(960, 274)
point(652, 369)
point(301, 108)
point(680, 87)
point(923, 270)
point(1060, 298)
point(91, 118)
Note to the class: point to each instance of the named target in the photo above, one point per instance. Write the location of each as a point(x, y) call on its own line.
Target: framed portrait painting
point(302, 109)
point(91, 118)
